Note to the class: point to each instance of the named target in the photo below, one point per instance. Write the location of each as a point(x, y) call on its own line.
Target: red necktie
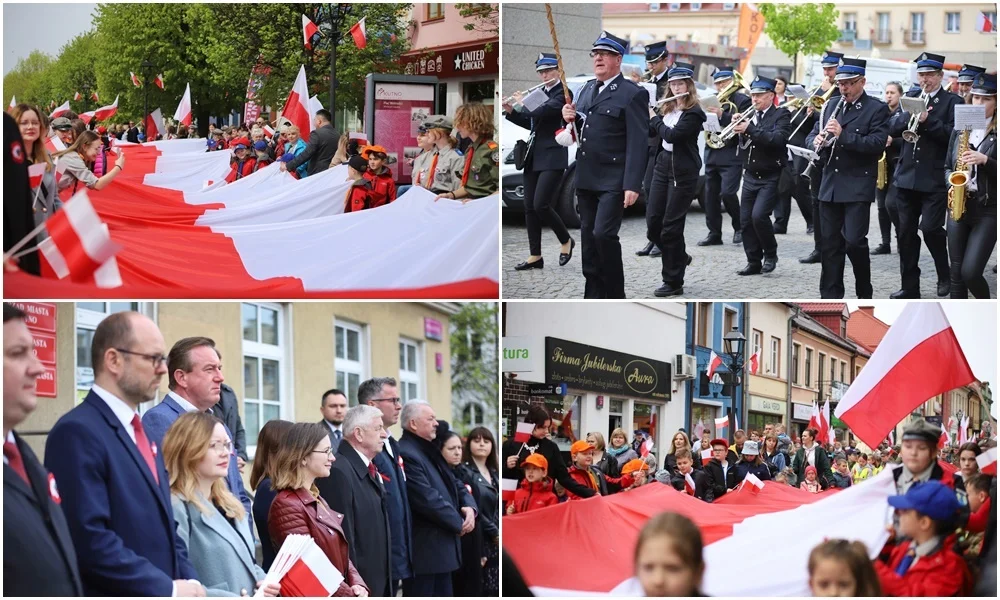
point(144, 448)
point(15, 461)
point(372, 471)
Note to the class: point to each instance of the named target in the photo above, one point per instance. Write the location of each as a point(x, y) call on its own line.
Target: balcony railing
point(847, 35)
point(916, 37)
point(883, 36)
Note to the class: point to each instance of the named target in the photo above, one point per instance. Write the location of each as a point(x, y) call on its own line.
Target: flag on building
point(984, 24)
point(310, 32)
point(755, 362)
point(358, 33)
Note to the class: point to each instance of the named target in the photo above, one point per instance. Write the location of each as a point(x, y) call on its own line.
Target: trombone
point(911, 135)
point(718, 140)
point(515, 98)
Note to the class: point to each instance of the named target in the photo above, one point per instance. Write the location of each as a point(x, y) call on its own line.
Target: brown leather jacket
point(300, 512)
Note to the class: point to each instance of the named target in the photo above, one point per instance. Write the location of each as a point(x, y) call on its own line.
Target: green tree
point(74, 71)
point(474, 361)
point(482, 17)
point(800, 28)
point(28, 80)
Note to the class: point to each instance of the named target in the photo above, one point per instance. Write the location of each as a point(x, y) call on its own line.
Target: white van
point(878, 73)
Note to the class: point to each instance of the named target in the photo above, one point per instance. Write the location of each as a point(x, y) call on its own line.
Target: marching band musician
point(921, 193)
point(966, 76)
point(792, 183)
point(885, 199)
point(610, 162)
point(762, 146)
point(972, 238)
point(544, 165)
point(723, 168)
point(656, 64)
point(830, 61)
point(858, 135)
point(675, 177)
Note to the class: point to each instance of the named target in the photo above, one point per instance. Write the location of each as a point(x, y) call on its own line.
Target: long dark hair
point(481, 433)
point(268, 441)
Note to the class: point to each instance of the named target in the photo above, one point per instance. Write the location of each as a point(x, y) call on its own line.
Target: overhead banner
point(594, 369)
point(258, 75)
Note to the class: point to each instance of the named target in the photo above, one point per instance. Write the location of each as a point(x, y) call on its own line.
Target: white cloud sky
point(39, 26)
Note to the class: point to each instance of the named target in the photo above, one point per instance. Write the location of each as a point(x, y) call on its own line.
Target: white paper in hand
point(914, 106)
point(803, 152)
point(970, 116)
point(535, 99)
point(651, 89)
point(712, 123)
point(798, 91)
point(709, 102)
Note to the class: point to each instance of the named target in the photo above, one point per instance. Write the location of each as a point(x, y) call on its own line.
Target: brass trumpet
point(718, 140)
point(911, 135)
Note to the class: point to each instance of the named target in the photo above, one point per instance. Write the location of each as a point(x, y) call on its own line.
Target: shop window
point(350, 358)
point(479, 91)
point(264, 367)
point(704, 413)
point(409, 370)
point(88, 317)
point(756, 421)
point(646, 418)
point(615, 415)
point(565, 413)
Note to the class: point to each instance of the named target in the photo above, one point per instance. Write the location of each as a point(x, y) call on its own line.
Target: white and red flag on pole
point(296, 107)
point(94, 97)
point(135, 80)
point(303, 569)
point(706, 456)
point(824, 421)
point(714, 362)
point(963, 430)
point(183, 113)
point(79, 245)
point(756, 484)
point(984, 24)
point(76, 96)
point(13, 102)
point(88, 116)
point(154, 125)
point(646, 447)
point(754, 362)
point(159, 81)
point(721, 423)
point(309, 30)
point(523, 431)
point(689, 486)
point(898, 377)
point(268, 131)
point(359, 35)
point(508, 487)
point(987, 462)
point(60, 110)
point(106, 112)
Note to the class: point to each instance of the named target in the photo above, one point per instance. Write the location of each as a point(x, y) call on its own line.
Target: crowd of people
point(945, 518)
point(155, 505)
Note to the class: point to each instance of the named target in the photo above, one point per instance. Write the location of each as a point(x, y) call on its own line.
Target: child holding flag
point(536, 490)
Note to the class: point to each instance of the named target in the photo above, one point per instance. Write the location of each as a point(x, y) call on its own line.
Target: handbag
point(521, 150)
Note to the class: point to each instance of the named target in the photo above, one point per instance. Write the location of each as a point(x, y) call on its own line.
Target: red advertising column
point(41, 321)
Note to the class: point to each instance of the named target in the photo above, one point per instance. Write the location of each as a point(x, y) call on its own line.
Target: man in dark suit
point(355, 488)
point(762, 141)
point(610, 163)
point(40, 559)
point(847, 187)
point(228, 410)
point(322, 146)
point(382, 393)
point(921, 190)
point(723, 167)
point(132, 135)
point(115, 490)
point(194, 368)
point(656, 64)
point(334, 407)
point(443, 509)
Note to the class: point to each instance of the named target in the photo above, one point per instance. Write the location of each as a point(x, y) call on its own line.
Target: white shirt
point(670, 120)
point(976, 137)
point(10, 438)
point(364, 458)
point(335, 428)
point(187, 406)
point(811, 455)
point(763, 114)
point(388, 447)
point(123, 411)
point(605, 83)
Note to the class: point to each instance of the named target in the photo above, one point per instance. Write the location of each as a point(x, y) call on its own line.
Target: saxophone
point(883, 175)
point(958, 179)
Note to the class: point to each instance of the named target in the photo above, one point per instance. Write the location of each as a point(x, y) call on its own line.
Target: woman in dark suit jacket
point(544, 165)
point(268, 441)
point(887, 214)
point(972, 238)
point(305, 455)
point(675, 176)
point(480, 456)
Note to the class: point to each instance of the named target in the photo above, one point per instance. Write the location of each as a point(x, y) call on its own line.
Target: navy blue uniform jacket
point(612, 150)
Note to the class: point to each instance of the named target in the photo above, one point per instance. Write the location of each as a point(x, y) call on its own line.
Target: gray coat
point(222, 557)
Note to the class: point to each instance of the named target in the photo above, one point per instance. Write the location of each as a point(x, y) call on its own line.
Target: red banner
point(41, 316)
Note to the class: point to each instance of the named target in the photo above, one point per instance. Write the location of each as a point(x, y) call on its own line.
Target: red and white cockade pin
point(154, 448)
point(53, 490)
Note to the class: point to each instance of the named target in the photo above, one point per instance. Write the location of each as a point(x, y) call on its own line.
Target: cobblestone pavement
point(713, 272)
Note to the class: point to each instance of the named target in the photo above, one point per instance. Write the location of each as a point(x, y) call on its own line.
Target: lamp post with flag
point(147, 71)
point(334, 17)
point(732, 344)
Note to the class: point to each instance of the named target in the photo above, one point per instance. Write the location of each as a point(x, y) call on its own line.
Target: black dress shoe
point(809, 229)
point(943, 287)
point(565, 256)
point(737, 237)
point(690, 259)
point(770, 262)
point(656, 252)
point(645, 250)
point(666, 290)
point(813, 258)
point(750, 269)
point(711, 240)
point(780, 230)
point(904, 295)
point(524, 266)
point(882, 248)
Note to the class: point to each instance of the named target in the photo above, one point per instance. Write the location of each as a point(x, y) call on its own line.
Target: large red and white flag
point(824, 421)
point(754, 363)
point(76, 97)
point(987, 462)
point(183, 113)
point(79, 246)
point(359, 35)
point(296, 107)
point(984, 24)
point(60, 110)
point(88, 116)
point(523, 431)
point(154, 125)
point(714, 362)
point(309, 29)
point(135, 80)
point(106, 112)
point(159, 81)
point(899, 376)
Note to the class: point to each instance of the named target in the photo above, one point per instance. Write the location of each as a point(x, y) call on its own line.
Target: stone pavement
point(712, 275)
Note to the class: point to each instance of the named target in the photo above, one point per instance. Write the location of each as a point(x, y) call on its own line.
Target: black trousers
point(970, 244)
point(814, 195)
point(672, 199)
point(540, 189)
point(791, 184)
point(600, 220)
point(845, 235)
point(722, 183)
point(653, 224)
point(428, 586)
point(887, 217)
point(924, 211)
point(760, 194)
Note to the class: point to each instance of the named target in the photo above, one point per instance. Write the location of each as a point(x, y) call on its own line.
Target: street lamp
point(732, 344)
point(147, 69)
point(337, 13)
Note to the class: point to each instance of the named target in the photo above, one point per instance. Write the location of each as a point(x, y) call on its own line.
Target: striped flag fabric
point(296, 107)
point(309, 31)
point(714, 362)
point(359, 34)
point(76, 97)
point(721, 423)
point(79, 244)
point(523, 431)
point(135, 80)
point(706, 456)
point(159, 81)
point(987, 462)
point(106, 112)
point(689, 485)
point(60, 110)
point(508, 488)
point(984, 24)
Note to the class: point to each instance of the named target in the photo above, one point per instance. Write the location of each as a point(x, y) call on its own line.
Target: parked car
point(512, 181)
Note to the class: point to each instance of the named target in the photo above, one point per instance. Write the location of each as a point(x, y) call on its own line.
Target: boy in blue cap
point(924, 564)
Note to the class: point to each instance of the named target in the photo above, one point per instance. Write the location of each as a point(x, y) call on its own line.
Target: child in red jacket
point(535, 490)
point(242, 165)
point(359, 196)
point(584, 473)
point(924, 564)
point(380, 175)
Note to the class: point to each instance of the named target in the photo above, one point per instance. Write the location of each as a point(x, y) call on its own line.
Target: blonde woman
point(603, 461)
point(85, 150)
point(678, 123)
point(620, 448)
point(32, 123)
point(210, 519)
point(680, 441)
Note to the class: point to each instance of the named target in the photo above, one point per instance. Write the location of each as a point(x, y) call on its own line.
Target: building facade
point(770, 323)
point(715, 397)
point(278, 357)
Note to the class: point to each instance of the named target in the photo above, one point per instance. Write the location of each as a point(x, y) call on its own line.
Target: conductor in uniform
point(847, 187)
point(762, 142)
point(656, 64)
point(611, 154)
point(921, 191)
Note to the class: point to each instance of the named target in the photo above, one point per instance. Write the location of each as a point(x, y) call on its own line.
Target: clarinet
point(808, 173)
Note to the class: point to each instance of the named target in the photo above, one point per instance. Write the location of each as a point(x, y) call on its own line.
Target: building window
point(795, 363)
point(833, 372)
point(704, 414)
point(843, 372)
point(728, 6)
point(674, 6)
point(696, 6)
point(884, 33)
point(654, 6)
point(473, 415)
point(479, 91)
point(703, 316)
point(724, 40)
point(350, 357)
point(916, 27)
point(851, 21)
point(615, 413)
point(819, 374)
point(952, 22)
point(728, 320)
point(263, 367)
point(756, 341)
point(409, 370)
point(809, 363)
point(435, 11)
point(88, 316)
point(775, 356)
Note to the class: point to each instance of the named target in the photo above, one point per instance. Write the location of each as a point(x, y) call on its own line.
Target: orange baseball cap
point(636, 464)
point(369, 150)
point(580, 446)
point(536, 460)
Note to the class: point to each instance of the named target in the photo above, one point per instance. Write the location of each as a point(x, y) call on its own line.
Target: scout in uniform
point(480, 175)
point(446, 163)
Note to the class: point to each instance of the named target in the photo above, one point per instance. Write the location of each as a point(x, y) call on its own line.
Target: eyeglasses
point(604, 53)
point(328, 451)
point(221, 447)
point(393, 400)
point(156, 359)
